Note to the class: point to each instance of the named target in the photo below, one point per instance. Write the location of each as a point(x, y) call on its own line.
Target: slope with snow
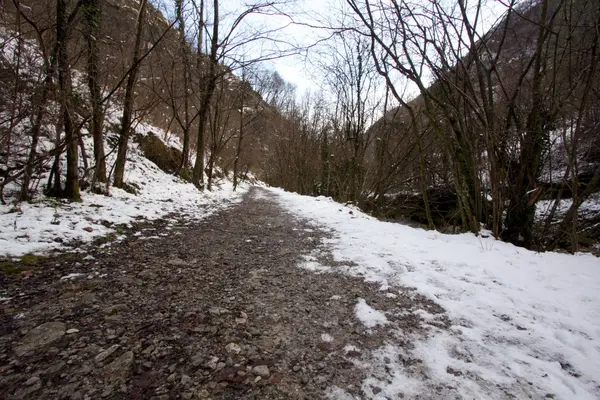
point(523, 324)
point(49, 223)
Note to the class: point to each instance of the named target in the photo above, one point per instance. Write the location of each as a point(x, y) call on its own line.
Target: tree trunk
point(206, 96)
point(238, 149)
point(64, 83)
point(521, 213)
point(184, 53)
point(129, 100)
point(93, 17)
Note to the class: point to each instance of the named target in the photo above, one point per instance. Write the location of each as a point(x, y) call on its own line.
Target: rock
point(296, 368)
point(177, 262)
point(25, 392)
point(88, 298)
point(120, 368)
point(197, 359)
point(88, 229)
point(321, 379)
point(243, 319)
point(186, 380)
point(106, 353)
point(55, 368)
point(218, 311)
point(107, 392)
point(261, 370)
point(233, 348)
point(115, 309)
point(255, 332)
point(33, 381)
point(212, 363)
point(72, 331)
point(40, 336)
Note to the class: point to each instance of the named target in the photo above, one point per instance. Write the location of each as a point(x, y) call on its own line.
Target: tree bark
point(129, 99)
point(93, 17)
point(184, 54)
point(238, 149)
point(206, 97)
point(64, 83)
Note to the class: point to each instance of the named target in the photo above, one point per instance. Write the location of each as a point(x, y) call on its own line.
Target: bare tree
point(209, 84)
point(93, 17)
point(129, 98)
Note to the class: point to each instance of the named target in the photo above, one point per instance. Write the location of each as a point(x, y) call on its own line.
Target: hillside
point(492, 131)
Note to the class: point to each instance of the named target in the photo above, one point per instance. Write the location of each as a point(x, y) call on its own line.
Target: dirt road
point(211, 310)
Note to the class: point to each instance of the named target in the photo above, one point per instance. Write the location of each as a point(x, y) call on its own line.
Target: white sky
point(300, 70)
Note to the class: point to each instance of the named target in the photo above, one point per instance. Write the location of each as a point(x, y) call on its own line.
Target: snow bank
point(523, 323)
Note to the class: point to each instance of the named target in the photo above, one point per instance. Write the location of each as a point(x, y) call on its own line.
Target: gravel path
point(211, 310)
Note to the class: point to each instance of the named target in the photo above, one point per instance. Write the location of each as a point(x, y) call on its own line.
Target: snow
point(369, 316)
point(49, 224)
point(46, 223)
point(71, 276)
point(523, 324)
point(589, 208)
point(326, 337)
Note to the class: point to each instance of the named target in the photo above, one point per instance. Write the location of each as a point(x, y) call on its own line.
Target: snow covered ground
point(48, 223)
point(588, 208)
point(523, 324)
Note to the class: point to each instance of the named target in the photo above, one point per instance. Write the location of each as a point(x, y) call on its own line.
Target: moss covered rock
point(165, 157)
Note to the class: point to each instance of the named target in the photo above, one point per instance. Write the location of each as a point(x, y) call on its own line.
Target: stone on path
point(120, 368)
point(40, 336)
point(262, 371)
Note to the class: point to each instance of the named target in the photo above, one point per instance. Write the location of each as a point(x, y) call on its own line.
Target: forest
point(432, 113)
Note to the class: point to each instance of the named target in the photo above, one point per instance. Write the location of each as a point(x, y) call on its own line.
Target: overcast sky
point(301, 70)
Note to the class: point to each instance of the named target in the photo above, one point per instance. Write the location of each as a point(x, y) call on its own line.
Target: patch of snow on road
point(369, 316)
point(71, 276)
point(326, 337)
point(523, 324)
point(311, 263)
